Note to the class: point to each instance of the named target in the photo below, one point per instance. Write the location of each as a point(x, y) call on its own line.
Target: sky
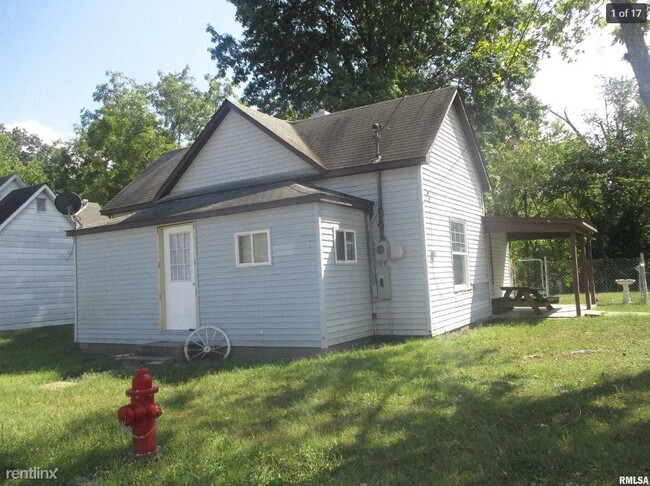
point(55, 52)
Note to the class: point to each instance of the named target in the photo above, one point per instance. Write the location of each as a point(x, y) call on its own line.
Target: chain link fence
point(555, 277)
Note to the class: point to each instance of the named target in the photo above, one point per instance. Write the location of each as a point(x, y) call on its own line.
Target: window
point(346, 246)
point(40, 204)
point(253, 248)
point(180, 264)
point(459, 254)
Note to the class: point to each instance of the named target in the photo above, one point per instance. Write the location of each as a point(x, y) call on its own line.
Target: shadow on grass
point(406, 414)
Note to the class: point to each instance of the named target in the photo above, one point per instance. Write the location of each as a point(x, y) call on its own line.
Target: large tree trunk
point(638, 56)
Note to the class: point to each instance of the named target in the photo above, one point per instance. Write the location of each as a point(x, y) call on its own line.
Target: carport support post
point(585, 269)
point(590, 269)
point(576, 280)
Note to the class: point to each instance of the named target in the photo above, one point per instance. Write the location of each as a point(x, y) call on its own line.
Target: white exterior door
point(180, 277)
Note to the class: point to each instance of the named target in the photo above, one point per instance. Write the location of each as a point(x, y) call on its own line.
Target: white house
point(304, 234)
point(36, 258)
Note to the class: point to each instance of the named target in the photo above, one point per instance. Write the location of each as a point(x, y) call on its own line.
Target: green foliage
point(602, 176)
point(605, 175)
point(133, 125)
point(22, 154)
point(117, 141)
point(300, 56)
point(183, 108)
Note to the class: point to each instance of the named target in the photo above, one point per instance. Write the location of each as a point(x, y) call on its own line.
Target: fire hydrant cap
point(141, 379)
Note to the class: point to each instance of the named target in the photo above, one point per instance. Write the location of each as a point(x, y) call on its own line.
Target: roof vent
point(320, 113)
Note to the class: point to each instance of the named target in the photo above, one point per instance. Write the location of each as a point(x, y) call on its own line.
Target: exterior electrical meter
point(382, 251)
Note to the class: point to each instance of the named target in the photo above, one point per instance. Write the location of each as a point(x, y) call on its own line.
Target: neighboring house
point(36, 258)
point(303, 234)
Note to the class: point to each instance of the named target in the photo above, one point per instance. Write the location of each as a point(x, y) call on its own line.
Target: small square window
point(253, 248)
point(41, 204)
point(346, 246)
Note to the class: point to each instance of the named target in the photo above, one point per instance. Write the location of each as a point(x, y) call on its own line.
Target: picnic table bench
point(523, 297)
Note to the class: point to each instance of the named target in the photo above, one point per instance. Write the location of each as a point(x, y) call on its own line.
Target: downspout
point(372, 273)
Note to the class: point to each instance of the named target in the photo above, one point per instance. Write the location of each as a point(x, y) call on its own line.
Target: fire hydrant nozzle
point(141, 414)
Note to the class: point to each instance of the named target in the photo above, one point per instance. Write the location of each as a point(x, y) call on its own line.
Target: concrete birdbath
point(625, 283)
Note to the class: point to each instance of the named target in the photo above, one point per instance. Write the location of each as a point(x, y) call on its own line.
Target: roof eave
point(470, 135)
point(356, 203)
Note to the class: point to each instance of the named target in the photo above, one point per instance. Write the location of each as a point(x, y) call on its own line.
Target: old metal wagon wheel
point(205, 341)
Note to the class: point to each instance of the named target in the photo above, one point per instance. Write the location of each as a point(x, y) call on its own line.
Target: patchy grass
point(612, 302)
point(558, 402)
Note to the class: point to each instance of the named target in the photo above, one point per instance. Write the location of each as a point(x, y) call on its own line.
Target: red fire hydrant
point(141, 414)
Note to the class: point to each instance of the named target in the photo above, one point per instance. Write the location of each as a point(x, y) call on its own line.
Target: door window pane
point(180, 257)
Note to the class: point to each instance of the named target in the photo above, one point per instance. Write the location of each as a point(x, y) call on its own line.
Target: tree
point(15, 157)
point(604, 175)
point(633, 37)
point(115, 142)
point(299, 56)
point(183, 108)
point(134, 124)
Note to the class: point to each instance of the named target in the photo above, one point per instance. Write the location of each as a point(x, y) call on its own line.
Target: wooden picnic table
point(526, 297)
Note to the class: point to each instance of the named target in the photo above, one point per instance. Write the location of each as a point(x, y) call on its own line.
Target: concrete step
point(162, 348)
point(145, 359)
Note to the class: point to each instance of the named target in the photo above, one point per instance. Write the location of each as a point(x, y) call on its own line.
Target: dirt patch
point(55, 385)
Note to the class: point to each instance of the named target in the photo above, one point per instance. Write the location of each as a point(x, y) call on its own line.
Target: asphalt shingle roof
point(143, 188)
point(5, 179)
point(337, 141)
point(15, 199)
point(225, 202)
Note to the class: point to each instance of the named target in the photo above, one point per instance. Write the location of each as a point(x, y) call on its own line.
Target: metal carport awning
point(577, 230)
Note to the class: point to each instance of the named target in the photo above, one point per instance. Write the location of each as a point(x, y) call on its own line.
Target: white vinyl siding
point(237, 151)
point(117, 287)
point(266, 305)
point(346, 288)
point(451, 191)
point(36, 269)
point(500, 263)
point(407, 313)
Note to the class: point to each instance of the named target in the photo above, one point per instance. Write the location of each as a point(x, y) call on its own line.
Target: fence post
point(548, 291)
point(643, 283)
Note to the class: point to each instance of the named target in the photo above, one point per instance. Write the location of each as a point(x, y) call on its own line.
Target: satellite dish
point(68, 203)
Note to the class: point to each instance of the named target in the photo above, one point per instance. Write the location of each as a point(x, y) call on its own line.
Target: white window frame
point(251, 234)
point(41, 204)
point(466, 285)
point(345, 261)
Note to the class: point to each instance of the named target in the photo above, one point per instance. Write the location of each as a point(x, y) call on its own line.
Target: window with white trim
point(41, 204)
point(346, 246)
point(459, 254)
point(253, 248)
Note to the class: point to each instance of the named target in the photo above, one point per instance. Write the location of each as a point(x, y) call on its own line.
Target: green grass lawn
point(612, 302)
point(556, 402)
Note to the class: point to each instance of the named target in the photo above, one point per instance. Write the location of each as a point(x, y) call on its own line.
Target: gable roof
point(5, 179)
point(239, 200)
point(335, 144)
point(15, 200)
point(142, 190)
